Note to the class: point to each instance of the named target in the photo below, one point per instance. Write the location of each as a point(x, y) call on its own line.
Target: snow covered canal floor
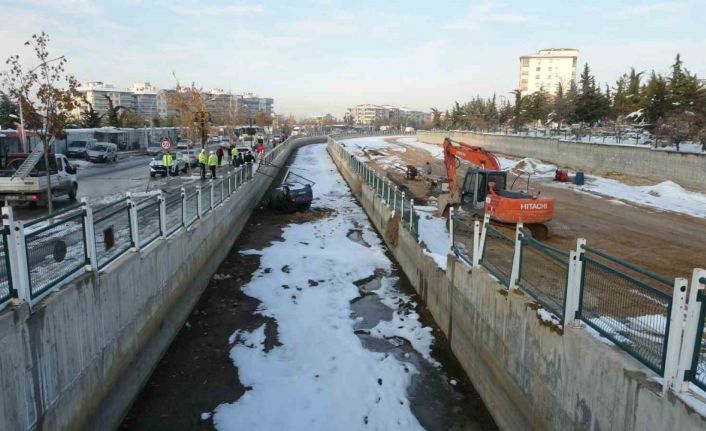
point(333, 337)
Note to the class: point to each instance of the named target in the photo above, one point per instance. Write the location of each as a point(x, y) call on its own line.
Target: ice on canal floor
point(320, 377)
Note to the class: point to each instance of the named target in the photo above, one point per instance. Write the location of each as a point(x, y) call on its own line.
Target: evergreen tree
point(591, 105)
point(655, 98)
point(90, 118)
point(621, 105)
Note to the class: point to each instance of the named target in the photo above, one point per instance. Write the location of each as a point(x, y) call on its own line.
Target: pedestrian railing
point(497, 255)
point(55, 248)
point(543, 273)
point(112, 231)
point(393, 196)
point(644, 314)
point(191, 213)
point(173, 206)
point(463, 236)
point(148, 222)
point(6, 289)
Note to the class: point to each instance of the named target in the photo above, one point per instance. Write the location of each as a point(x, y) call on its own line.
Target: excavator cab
point(475, 186)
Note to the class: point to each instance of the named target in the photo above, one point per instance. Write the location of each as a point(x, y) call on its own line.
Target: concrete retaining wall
point(686, 169)
point(529, 374)
point(81, 356)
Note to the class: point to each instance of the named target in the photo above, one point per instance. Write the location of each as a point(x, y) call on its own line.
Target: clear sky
point(320, 56)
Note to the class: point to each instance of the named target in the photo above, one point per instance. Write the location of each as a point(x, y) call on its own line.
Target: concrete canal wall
point(686, 169)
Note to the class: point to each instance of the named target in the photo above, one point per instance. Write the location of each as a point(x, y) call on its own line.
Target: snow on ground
point(664, 196)
point(320, 377)
point(433, 231)
point(437, 151)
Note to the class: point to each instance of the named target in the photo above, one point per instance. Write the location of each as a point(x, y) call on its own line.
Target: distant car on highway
point(157, 166)
point(183, 144)
point(102, 152)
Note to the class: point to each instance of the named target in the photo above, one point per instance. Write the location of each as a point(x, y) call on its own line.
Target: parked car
point(77, 149)
point(183, 144)
point(157, 167)
point(104, 152)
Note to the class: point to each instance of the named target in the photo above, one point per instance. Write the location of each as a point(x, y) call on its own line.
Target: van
point(77, 148)
point(104, 152)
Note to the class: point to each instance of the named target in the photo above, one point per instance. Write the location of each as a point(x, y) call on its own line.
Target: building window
point(525, 62)
point(525, 72)
point(537, 77)
point(538, 69)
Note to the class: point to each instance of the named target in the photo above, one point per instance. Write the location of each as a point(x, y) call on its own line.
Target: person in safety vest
point(202, 163)
point(234, 155)
point(167, 161)
point(213, 164)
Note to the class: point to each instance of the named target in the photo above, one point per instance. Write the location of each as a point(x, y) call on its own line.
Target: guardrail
point(646, 315)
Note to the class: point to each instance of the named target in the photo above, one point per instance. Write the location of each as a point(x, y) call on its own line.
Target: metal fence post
point(212, 193)
point(183, 207)
point(221, 191)
point(572, 300)
point(134, 231)
point(402, 206)
point(451, 229)
point(394, 200)
point(16, 246)
point(411, 214)
point(476, 242)
point(676, 325)
point(516, 258)
point(685, 368)
point(199, 204)
point(89, 236)
point(162, 214)
point(483, 236)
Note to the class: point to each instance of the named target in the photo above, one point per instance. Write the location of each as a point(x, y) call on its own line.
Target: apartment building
point(546, 69)
point(95, 94)
point(369, 114)
point(145, 95)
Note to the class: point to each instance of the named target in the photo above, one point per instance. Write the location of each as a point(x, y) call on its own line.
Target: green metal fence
point(543, 273)
point(627, 305)
point(463, 232)
point(497, 254)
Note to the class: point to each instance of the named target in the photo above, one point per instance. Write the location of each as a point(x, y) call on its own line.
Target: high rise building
point(547, 69)
point(145, 96)
point(95, 94)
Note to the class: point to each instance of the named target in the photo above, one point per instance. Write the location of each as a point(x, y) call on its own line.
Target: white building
point(368, 114)
point(95, 93)
point(547, 69)
point(146, 103)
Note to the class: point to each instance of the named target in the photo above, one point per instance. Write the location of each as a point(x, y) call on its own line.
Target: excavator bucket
point(443, 203)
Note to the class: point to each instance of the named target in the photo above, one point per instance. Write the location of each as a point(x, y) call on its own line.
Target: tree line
point(672, 106)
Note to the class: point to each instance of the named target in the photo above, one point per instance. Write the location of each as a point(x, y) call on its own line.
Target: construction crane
point(485, 189)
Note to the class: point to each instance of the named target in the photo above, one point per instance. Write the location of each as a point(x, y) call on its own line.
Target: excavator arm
point(454, 151)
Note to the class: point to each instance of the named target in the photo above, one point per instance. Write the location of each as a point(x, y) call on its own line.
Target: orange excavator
point(485, 188)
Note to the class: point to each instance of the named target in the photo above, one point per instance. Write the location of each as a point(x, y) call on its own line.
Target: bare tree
point(46, 95)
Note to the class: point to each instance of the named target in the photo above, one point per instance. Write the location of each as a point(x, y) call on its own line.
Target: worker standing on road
point(234, 156)
point(167, 160)
point(202, 163)
point(239, 161)
point(213, 164)
point(219, 154)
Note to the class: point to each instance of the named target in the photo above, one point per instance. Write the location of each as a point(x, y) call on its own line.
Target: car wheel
point(152, 174)
point(73, 191)
point(164, 175)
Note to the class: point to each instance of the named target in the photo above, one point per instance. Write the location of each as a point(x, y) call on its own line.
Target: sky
point(321, 56)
